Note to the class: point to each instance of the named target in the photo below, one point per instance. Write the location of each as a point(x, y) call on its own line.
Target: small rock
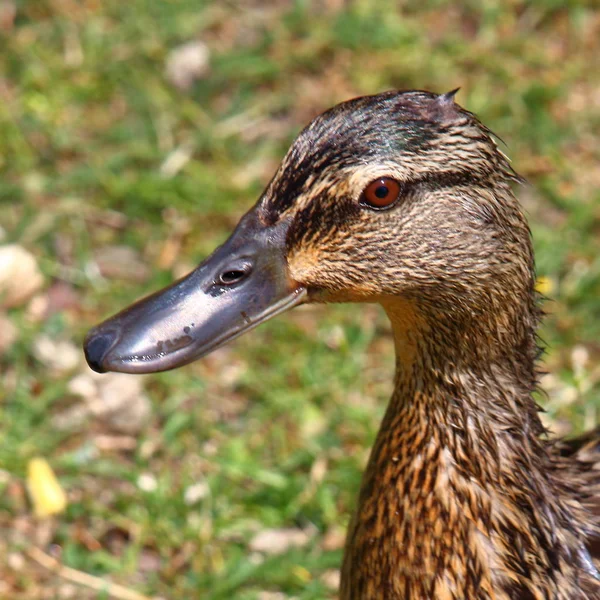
point(147, 482)
point(122, 402)
point(121, 262)
point(117, 399)
point(83, 385)
point(187, 63)
point(149, 447)
point(68, 591)
point(278, 541)
point(37, 309)
point(331, 578)
point(20, 277)
point(61, 296)
point(335, 338)
point(232, 373)
point(59, 356)
point(196, 492)
point(149, 561)
point(15, 561)
point(71, 418)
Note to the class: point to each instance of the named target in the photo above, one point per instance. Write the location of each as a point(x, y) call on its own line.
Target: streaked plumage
point(464, 496)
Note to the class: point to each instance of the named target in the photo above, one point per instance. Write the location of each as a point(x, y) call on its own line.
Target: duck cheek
point(333, 278)
point(306, 268)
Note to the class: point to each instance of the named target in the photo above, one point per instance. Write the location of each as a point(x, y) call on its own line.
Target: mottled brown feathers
point(463, 497)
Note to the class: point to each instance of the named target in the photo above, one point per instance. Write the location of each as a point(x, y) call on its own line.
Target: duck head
point(401, 198)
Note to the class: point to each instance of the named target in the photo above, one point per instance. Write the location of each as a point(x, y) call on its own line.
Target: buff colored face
point(367, 205)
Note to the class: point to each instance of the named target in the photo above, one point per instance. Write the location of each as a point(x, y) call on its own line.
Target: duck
point(405, 199)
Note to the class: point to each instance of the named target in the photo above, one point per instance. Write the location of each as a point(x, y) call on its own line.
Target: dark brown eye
point(381, 193)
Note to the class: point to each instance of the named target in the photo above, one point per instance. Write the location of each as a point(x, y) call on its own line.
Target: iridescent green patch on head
point(364, 130)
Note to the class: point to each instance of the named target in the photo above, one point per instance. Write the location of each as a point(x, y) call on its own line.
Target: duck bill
point(242, 284)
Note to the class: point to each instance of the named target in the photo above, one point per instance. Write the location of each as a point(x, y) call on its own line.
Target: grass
point(276, 427)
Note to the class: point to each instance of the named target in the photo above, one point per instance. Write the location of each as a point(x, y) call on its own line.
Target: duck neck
point(458, 487)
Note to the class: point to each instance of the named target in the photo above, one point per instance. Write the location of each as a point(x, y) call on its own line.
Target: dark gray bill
point(243, 283)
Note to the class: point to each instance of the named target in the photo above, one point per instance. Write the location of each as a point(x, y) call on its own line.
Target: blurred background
point(133, 135)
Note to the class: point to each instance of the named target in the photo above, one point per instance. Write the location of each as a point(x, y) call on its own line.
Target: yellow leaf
point(301, 573)
point(47, 496)
point(544, 285)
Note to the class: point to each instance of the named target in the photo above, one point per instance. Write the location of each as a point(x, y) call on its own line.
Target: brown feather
point(464, 497)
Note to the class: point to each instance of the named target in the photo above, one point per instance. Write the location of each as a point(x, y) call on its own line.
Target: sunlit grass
point(277, 426)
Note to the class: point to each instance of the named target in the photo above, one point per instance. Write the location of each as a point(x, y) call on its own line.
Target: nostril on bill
point(96, 348)
point(232, 276)
point(235, 273)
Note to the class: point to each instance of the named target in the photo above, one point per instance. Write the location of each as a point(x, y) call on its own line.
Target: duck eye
point(381, 193)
